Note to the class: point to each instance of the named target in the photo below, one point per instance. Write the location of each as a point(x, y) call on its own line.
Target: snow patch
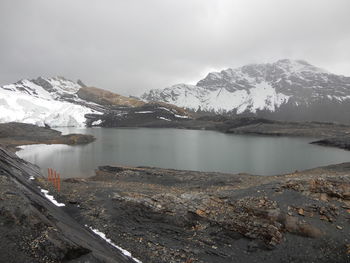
point(95, 123)
point(162, 118)
point(142, 112)
point(103, 236)
point(51, 198)
point(163, 108)
point(180, 116)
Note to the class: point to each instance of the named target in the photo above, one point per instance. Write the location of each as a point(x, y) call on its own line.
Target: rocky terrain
point(292, 90)
point(147, 115)
point(33, 229)
point(16, 134)
point(106, 98)
point(163, 215)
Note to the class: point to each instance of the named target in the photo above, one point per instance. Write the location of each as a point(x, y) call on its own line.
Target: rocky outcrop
point(147, 115)
point(342, 142)
point(15, 134)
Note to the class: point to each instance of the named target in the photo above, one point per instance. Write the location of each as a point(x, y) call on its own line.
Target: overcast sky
point(129, 46)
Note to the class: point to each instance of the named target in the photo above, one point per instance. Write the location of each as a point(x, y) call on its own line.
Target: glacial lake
point(182, 149)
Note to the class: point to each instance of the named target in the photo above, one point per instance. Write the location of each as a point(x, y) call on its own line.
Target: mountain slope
point(42, 102)
point(105, 97)
point(284, 89)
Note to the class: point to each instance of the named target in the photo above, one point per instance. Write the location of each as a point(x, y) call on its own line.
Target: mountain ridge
point(59, 102)
point(261, 89)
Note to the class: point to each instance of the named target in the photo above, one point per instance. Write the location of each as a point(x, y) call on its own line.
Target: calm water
point(182, 149)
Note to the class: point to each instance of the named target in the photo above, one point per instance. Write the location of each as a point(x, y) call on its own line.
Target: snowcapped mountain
point(286, 89)
point(58, 102)
point(44, 101)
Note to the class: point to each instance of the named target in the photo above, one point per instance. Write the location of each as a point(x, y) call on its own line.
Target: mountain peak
point(295, 66)
point(266, 87)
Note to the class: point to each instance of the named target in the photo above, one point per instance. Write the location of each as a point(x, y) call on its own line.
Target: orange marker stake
point(51, 175)
point(59, 183)
point(48, 174)
point(55, 181)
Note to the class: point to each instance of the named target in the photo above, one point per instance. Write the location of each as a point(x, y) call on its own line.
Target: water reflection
point(182, 149)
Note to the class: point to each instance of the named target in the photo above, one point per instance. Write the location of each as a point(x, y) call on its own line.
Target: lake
point(182, 149)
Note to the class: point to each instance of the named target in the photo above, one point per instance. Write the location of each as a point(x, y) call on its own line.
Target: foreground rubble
point(163, 215)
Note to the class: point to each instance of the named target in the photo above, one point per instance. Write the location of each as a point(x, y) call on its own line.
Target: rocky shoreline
point(339, 142)
point(15, 134)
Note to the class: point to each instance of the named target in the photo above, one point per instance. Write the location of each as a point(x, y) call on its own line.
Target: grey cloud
point(131, 46)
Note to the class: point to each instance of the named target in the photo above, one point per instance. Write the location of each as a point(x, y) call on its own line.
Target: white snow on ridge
point(254, 87)
point(95, 123)
point(182, 95)
point(181, 116)
point(297, 66)
point(261, 97)
point(143, 112)
point(103, 236)
point(164, 119)
point(62, 85)
point(51, 198)
point(29, 103)
point(27, 87)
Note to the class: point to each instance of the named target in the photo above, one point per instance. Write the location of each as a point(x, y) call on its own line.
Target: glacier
point(27, 102)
